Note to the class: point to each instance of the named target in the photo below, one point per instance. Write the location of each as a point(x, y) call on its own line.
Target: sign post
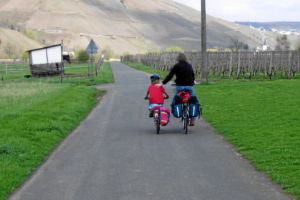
point(92, 49)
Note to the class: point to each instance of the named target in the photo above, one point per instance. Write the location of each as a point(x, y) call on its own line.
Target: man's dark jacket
point(184, 74)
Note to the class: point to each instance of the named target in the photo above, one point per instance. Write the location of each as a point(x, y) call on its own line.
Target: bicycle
point(185, 118)
point(156, 116)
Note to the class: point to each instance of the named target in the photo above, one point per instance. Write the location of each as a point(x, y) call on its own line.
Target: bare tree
point(235, 43)
point(10, 49)
point(282, 43)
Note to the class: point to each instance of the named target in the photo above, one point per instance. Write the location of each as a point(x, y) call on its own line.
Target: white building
point(265, 46)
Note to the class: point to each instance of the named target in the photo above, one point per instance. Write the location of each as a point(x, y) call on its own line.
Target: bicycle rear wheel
point(185, 119)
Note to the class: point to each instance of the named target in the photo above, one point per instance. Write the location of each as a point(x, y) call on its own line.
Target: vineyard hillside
point(126, 25)
point(20, 41)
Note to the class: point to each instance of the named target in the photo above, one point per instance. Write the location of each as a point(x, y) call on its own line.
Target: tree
point(235, 43)
point(297, 46)
point(282, 43)
point(174, 49)
point(25, 56)
point(30, 34)
point(12, 27)
point(10, 49)
point(108, 52)
point(126, 53)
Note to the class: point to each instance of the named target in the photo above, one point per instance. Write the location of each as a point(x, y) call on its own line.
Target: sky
point(249, 10)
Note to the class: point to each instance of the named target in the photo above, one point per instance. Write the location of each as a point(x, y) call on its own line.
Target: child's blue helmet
point(154, 76)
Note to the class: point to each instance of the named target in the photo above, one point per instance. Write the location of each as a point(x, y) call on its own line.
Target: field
point(261, 118)
point(36, 114)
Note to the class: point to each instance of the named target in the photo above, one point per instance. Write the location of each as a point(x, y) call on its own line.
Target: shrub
point(83, 56)
point(297, 46)
point(108, 52)
point(126, 53)
point(25, 56)
point(174, 49)
point(30, 34)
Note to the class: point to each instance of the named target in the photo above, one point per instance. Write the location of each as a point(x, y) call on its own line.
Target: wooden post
point(239, 65)
point(271, 66)
point(2, 75)
point(203, 42)
point(230, 65)
point(289, 61)
point(62, 62)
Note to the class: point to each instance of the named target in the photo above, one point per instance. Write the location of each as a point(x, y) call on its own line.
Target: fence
point(15, 71)
point(229, 63)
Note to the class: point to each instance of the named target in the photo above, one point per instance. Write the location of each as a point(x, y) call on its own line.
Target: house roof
point(43, 48)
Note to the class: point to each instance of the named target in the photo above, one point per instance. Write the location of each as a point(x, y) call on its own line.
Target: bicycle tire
point(183, 118)
point(158, 124)
point(186, 120)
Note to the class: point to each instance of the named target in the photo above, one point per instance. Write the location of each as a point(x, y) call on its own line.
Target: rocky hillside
point(133, 25)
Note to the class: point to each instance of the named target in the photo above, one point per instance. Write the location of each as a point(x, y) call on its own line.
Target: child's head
point(154, 81)
point(154, 78)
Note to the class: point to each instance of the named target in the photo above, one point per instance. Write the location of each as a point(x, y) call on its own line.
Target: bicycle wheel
point(157, 127)
point(158, 124)
point(185, 119)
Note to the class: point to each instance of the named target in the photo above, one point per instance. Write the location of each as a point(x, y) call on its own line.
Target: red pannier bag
point(185, 96)
point(164, 116)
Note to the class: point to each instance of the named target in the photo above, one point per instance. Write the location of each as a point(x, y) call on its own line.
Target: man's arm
point(170, 75)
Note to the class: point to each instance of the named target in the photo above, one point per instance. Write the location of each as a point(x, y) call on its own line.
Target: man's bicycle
point(185, 106)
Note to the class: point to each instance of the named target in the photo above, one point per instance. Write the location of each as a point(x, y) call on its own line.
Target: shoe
point(151, 113)
point(192, 123)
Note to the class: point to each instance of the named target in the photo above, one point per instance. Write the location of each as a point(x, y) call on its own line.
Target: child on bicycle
point(156, 94)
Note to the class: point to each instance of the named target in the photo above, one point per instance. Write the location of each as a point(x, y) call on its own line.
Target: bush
point(25, 56)
point(297, 46)
point(108, 52)
point(30, 34)
point(174, 49)
point(126, 53)
point(83, 56)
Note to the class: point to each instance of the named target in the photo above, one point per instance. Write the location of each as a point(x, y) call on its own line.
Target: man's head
point(181, 57)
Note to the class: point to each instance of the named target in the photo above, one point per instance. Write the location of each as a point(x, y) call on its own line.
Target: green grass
point(36, 114)
point(261, 118)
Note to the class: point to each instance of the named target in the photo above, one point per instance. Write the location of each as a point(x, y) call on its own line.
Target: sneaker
point(192, 123)
point(151, 113)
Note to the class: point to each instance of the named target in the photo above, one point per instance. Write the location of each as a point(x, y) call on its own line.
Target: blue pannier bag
point(177, 106)
point(195, 109)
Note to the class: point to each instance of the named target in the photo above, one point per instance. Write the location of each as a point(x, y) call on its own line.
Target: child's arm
point(167, 96)
point(147, 94)
point(146, 97)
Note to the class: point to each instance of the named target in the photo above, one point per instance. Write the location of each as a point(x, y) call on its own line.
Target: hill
point(125, 25)
point(277, 25)
point(21, 42)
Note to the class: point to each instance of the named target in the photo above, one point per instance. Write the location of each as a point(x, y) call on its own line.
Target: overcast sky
point(250, 10)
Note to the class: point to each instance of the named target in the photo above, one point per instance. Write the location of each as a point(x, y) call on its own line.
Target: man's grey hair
point(181, 57)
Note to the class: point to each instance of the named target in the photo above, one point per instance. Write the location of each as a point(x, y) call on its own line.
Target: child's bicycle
point(156, 116)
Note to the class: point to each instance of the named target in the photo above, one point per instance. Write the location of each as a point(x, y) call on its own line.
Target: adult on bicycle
point(185, 78)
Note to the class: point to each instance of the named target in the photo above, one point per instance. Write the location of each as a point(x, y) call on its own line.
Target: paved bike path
point(115, 154)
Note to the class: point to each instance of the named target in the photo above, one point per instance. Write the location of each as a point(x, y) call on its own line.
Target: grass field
point(18, 71)
point(36, 114)
point(261, 118)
